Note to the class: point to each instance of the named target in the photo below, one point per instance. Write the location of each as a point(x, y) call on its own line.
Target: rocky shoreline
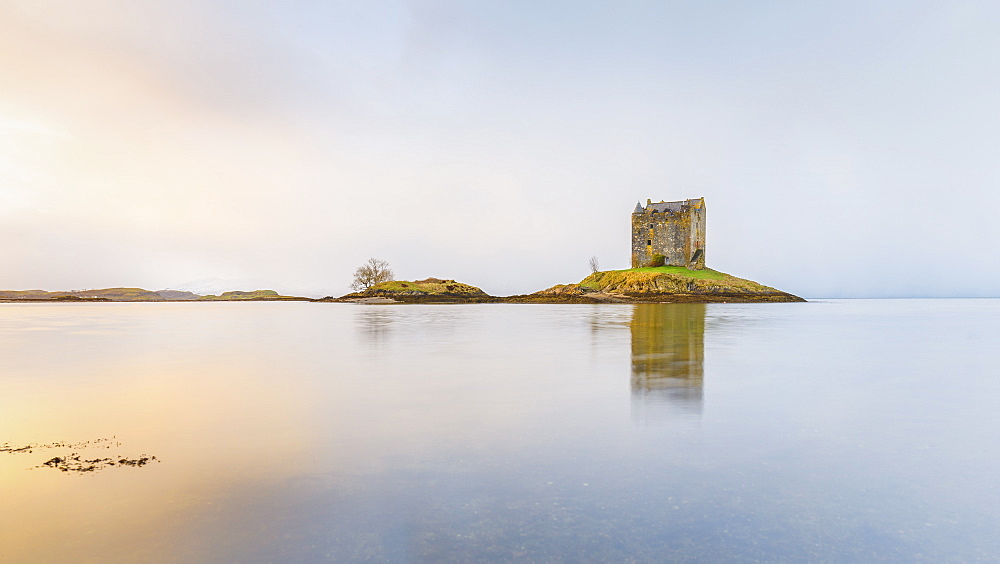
point(653, 298)
point(593, 298)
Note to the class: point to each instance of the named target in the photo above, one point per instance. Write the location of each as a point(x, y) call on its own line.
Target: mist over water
point(836, 430)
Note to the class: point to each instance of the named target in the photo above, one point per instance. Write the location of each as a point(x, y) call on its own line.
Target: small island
point(660, 284)
point(427, 291)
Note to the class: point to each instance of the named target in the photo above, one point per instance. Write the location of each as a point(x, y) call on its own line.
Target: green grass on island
point(429, 290)
point(668, 279)
point(427, 286)
point(703, 274)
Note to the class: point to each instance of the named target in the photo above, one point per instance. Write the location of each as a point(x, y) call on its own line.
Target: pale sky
point(845, 149)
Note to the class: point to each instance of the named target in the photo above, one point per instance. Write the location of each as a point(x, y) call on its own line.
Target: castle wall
point(696, 243)
point(675, 230)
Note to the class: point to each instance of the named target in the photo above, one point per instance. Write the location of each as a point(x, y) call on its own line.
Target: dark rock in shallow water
point(74, 462)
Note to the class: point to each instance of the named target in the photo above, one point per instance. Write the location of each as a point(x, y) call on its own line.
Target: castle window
point(649, 242)
point(650, 225)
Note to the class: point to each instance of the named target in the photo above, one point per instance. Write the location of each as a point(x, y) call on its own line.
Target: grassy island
point(429, 290)
point(658, 284)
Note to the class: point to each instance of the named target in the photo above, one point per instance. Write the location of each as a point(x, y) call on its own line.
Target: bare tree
point(594, 264)
point(373, 272)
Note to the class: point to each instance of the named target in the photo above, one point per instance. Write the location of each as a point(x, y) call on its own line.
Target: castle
point(674, 230)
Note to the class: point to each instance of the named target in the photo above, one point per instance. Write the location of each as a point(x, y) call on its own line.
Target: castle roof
point(672, 207)
point(662, 207)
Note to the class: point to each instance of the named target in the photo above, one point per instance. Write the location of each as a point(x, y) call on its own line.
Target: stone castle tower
point(675, 230)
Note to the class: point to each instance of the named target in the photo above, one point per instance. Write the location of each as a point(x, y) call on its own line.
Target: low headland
point(140, 295)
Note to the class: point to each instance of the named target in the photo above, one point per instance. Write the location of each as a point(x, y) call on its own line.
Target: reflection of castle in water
point(668, 361)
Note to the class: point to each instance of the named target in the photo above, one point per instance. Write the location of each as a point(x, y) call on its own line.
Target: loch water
point(828, 431)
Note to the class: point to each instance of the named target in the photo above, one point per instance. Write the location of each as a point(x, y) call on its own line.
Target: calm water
point(850, 430)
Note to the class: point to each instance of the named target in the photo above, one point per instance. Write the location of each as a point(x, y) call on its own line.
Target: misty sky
point(845, 149)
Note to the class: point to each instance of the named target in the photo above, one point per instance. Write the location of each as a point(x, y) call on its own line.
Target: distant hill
point(179, 295)
point(121, 294)
point(23, 294)
point(105, 294)
point(138, 295)
point(255, 295)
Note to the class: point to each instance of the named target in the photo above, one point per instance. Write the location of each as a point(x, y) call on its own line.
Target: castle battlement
point(675, 230)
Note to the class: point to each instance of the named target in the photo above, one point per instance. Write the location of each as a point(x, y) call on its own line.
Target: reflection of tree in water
point(668, 360)
point(374, 322)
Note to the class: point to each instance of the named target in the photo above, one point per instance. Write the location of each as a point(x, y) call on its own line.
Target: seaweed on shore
point(29, 448)
point(74, 462)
